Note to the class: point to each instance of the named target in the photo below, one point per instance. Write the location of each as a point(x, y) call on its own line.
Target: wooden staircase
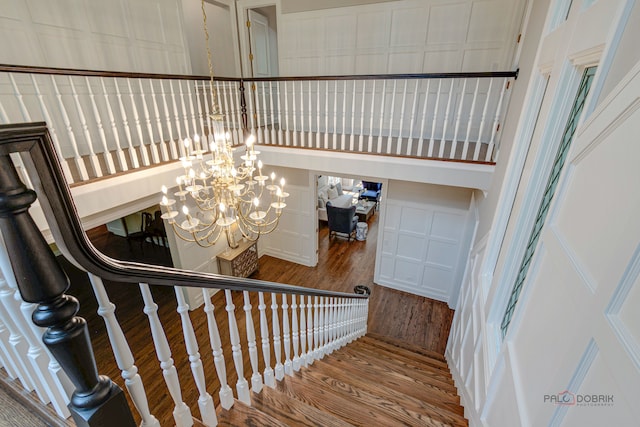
point(373, 381)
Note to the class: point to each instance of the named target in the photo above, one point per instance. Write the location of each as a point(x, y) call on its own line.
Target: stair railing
point(103, 123)
point(41, 282)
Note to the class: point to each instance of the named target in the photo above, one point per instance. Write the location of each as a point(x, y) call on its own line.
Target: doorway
point(260, 41)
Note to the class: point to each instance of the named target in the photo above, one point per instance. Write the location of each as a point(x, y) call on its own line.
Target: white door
point(260, 55)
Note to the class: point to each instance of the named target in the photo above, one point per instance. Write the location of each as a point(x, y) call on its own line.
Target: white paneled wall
point(407, 36)
point(116, 35)
point(422, 237)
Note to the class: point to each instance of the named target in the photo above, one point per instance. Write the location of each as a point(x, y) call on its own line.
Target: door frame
point(242, 16)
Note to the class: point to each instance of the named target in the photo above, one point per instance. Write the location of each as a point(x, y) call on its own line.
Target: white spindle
point(454, 141)
point(50, 126)
point(286, 114)
point(328, 321)
point(445, 123)
point(335, 115)
point(156, 115)
point(382, 108)
point(155, 155)
point(269, 378)
point(251, 110)
point(333, 333)
point(185, 114)
point(78, 160)
point(476, 151)
point(205, 401)
point(181, 412)
point(256, 379)
point(93, 159)
point(286, 334)
point(194, 120)
point(202, 116)
point(294, 114)
point(344, 114)
point(465, 147)
point(174, 143)
point(265, 121)
point(228, 107)
point(317, 328)
point(242, 387)
point(310, 326)
point(371, 114)
point(401, 126)
point(364, 95)
point(106, 154)
point(274, 137)
point(318, 134)
point(353, 116)
point(122, 352)
point(310, 118)
point(302, 133)
point(326, 114)
point(133, 156)
point(277, 345)
point(496, 120)
point(434, 122)
point(176, 118)
point(295, 333)
point(413, 117)
point(391, 116)
point(136, 120)
point(424, 118)
point(280, 121)
point(6, 356)
point(303, 333)
point(226, 394)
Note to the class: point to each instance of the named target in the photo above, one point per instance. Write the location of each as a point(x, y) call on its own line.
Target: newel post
point(96, 401)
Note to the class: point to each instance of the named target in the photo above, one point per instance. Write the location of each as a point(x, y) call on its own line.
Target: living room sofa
point(333, 194)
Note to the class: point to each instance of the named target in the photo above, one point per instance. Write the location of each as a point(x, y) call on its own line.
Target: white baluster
point(424, 118)
point(181, 412)
point(353, 116)
point(155, 155)
point(27, 118)
point(333, 331)
point(274, 138)
point(136, 120)
point(371, 114)
point(133, 155)
point(240, 124)
point(194, 122)
point(319, 350)
point(176, 118)
point(173, 143)
point(326, 114)
point(494, 129)
point(93, 159)
point(435, 120)
point(335, 115)
point(269, 378)
point(401, 127)
point(445, 123)
point(6, 356)
point(242, 387)
point(454, 142)
point(79, 162)
point(310, 105)
point(156, 114)
point(106, 154)
point(277, 345)
point(295, 333)
point(344, 115)
point(256, 379)
point(286, 112)
point(309, 332)
point(228, 107)
point(122, 160)
point(382, 108)
point(413, 117)
point(465, 147)
point(476, 151)
point(183, 108)
point(286, 334)
point(265, 120)
point(122, 352)
point(318, 133)
point(226, 394)
point(391, 116)
point(294, 114)
point(303, 333)
point(328, 321)
point(362, 101)
point(302, 132)
point(207, 136)
point(50, 126)
point(205, 401)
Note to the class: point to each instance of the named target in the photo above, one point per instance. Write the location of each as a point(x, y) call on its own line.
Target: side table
point(241, 261)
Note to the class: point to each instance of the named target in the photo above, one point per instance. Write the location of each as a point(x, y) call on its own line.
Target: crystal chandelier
point(216, 196)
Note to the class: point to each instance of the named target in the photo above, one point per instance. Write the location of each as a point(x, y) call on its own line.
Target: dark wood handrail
point(120, 74)
point(34, 143)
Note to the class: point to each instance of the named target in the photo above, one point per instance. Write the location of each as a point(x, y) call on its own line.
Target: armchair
point(371, 191)
point(342, 220)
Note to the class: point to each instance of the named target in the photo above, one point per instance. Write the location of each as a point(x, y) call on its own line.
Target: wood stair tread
point(414, 351)
point(294, 413)
point(243, 415)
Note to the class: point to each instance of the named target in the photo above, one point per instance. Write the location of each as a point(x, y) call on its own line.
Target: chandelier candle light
point(225, 197)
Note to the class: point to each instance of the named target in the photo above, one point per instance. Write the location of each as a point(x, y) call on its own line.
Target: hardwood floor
point(415, 320)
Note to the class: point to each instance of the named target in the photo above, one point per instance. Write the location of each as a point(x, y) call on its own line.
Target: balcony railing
point(103, 123)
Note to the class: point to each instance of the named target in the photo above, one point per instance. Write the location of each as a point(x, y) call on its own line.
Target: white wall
point(424, 236)
point(116, 35)
point(569, 330)
point(406, 36)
